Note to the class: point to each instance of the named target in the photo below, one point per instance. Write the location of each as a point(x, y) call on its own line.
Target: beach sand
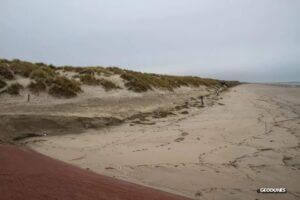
point(248, 139)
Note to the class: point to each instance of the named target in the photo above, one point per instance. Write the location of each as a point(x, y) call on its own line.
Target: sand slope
point(248, 139)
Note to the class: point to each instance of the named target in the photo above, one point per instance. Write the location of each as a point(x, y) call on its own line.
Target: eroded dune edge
point(38, 99)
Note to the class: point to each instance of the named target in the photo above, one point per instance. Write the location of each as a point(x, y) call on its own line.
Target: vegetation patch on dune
point(90, 79)
point(5, 72)
point(22, 68)
point(14, 89)
point(141, 82)
point(49, 78)
point(2, 84)
point(37, 86)
point(42, 73)
point(108, 85)
point(64, 87)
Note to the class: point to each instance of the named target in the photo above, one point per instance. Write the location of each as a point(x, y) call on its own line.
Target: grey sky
point(248, 40)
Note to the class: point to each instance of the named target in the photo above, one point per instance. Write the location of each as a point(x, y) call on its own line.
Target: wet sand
point(247, 140)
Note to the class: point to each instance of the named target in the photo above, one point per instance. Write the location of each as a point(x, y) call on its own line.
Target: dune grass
point(5, 72)
point(46, 78)
point(14, 89)
point(2, 84)
point(141, 82)
point(108, 85)
point(42, 73)
point(37, 86)
point(90, 79)
point(64, 87)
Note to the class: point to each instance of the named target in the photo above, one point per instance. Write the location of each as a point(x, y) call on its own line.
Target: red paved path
point(28, 175)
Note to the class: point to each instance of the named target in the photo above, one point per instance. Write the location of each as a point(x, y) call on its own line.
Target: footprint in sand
point(184, 134)
point(179, 139)
point(185, 112)
point(109, 168)
point(140, 150)
point(198, 194)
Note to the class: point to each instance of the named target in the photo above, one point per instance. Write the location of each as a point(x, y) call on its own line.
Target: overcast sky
point(248, 40)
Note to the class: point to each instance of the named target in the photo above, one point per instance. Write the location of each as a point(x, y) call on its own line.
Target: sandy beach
point(246, 138)
point(150, 100)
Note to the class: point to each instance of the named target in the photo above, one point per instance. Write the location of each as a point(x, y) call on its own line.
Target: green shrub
point(64, 87)
point(37, 87)
point(2, 84)
point(5, 72)
point(14, 89)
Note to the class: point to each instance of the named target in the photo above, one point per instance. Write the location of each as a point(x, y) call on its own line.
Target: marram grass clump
point(142, 82)
point(37, 86)
point(108, 85)
point(42, 73)
point(6, 72)
point(64, 87)
point(90, 79)
point(2, 84)
point(14, 89)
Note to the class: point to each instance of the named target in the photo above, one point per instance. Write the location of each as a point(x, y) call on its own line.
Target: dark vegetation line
point(46, 78)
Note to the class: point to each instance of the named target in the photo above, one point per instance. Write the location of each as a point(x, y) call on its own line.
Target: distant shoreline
point(280, 84)
point(285, 84)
